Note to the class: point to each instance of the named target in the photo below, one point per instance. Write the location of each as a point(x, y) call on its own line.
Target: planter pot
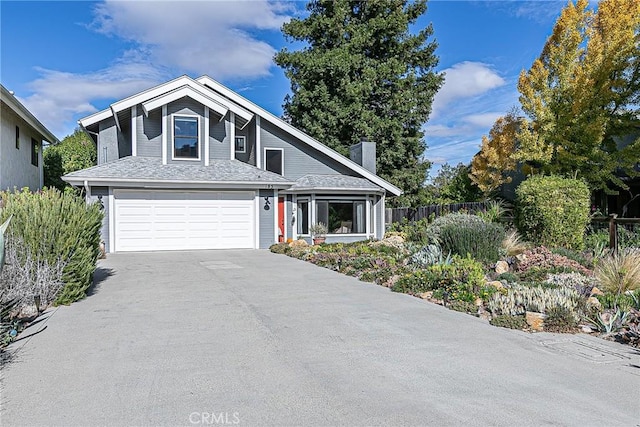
point(318, 240)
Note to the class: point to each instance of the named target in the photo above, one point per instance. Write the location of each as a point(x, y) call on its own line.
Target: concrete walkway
point(253, 338)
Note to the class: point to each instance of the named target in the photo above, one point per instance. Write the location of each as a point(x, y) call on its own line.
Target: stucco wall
point(16, 170)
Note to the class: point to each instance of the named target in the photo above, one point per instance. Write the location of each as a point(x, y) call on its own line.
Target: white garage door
point(172, 220)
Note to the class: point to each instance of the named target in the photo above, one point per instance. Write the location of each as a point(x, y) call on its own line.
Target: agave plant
point(3, 228)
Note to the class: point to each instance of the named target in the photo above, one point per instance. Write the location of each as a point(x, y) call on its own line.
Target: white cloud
point(483, 120)
point(168, 38)
point(201, 37)
point(465, 80)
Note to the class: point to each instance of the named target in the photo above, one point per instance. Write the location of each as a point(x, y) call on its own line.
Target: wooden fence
point(416, 214)
point(613, 222)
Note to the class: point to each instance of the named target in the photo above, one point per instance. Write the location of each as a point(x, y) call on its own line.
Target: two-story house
point(22, 139)
point(190, 164)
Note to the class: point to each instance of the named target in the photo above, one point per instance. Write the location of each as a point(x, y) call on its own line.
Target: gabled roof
point(159, 91)
point(150, 170)
point(26, 115)
point(181, 92)
point(245, 103)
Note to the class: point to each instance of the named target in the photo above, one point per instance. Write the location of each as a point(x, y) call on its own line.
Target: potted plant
point(318, 233)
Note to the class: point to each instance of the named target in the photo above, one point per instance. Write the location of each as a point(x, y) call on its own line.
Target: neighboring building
point(22, 139)
point(190, 164)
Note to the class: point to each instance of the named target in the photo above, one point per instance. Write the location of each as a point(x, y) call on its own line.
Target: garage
point(183, 220)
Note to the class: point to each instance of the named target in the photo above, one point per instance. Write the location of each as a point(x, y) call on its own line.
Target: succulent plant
point(520, 299)
point(429, 255)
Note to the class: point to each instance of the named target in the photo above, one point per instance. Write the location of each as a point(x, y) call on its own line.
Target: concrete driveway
point(253, 338)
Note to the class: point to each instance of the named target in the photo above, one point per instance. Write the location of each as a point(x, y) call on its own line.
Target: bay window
point(342, 216)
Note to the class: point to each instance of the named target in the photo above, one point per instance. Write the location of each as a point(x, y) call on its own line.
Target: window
point(241, 144)
point(303, 217)
point(185, 138)
point(273, 160)
point(342, 217)
point(17, 137)
point(34, 152)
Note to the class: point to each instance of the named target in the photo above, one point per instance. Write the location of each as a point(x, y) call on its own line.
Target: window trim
point(17, 137)
point(173, 138)
point(244, 144)
point(343, 199)
point(35, 153)
point(264, 166)
point(310, 206)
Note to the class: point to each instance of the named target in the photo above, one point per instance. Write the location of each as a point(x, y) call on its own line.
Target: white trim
point(264, 166)
point(375, 217)
point(115, 117)
point(112, 222)
point(384, 216)
point(159, 90)
point(164, 135)
point(259, 111)
point(258, 143)
point(181, 92)
point(26, 115)
point(244, 138)
point(284, 217)
point(295, 202)
point(206, 136)
point(257, 221)
point(367, 216)
point(134, 130)
point(313, 210)
point(232, 135)
point(173, 137)
point(128, 182)
point(340, 199)
point(275, 216)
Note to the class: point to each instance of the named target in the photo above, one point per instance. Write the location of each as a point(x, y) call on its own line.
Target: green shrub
point(573, 255)
point(509, 321)
point(463, 307)
point(553, 211)
point(481, 241)
point(560, 319)
point(520, 299)
point(416, 232)
point(58, 226)
point(455, 219)
point(462, 280)
point(279, 248)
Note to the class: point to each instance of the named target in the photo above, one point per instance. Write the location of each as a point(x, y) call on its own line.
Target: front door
point(281, 228)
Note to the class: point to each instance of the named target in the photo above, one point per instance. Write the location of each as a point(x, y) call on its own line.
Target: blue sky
point(67, 59)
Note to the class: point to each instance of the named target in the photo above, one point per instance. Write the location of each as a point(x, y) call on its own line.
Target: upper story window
point(274, 160)
point(34, 152)
point(241, 144)
point(185, 137)
point(17, 137)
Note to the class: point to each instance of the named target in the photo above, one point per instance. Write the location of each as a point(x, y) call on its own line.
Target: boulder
point(496, 284)
point(535, 321)
point(300, 243)
point(596, 291)
point(594, 302)
point(426, 295)
point(502, 267)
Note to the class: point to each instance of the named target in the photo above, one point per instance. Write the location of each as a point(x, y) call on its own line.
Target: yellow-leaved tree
point(583, 94)
point(490, 167)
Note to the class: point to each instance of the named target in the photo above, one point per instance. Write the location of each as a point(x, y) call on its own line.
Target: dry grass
point(513, 244)
point(619, 273)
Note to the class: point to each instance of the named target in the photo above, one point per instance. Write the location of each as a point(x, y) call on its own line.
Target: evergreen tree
point(361, 74)
point(74, 152)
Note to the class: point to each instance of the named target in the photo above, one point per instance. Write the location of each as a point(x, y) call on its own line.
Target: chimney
point(364, 154)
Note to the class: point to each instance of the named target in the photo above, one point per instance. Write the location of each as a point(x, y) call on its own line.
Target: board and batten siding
point(107, 141)
point(249, 132)
point(219, 148)
point(266, 218)
point(299, 158)
point(149, 133)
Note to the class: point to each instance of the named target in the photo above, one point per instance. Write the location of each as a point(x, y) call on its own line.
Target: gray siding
point(219, 147)
point(187, 107)
point(299, 158)
point(124, 139)
point(149, 133)
point(96, 192)
point(249, 132)
point(267, 229)
point(288, 215)
point(107, 141)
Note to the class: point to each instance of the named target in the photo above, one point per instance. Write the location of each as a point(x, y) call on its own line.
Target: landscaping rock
point(596, 291)
point(587, 330)
point(502, 267)
point(535, 321)
point(426, 295)
point(521, 257)
point(594, 302)
point(300, 243)
point(484, 314)
point(496, 284)
point(478, 302)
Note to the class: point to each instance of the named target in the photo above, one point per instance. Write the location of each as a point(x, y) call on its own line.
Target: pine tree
point(363, 74)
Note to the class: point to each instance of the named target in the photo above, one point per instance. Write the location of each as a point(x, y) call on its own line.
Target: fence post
point(613, 233)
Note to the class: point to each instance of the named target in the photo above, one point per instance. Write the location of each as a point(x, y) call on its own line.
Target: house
point(190, 164)
point(22, 137)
